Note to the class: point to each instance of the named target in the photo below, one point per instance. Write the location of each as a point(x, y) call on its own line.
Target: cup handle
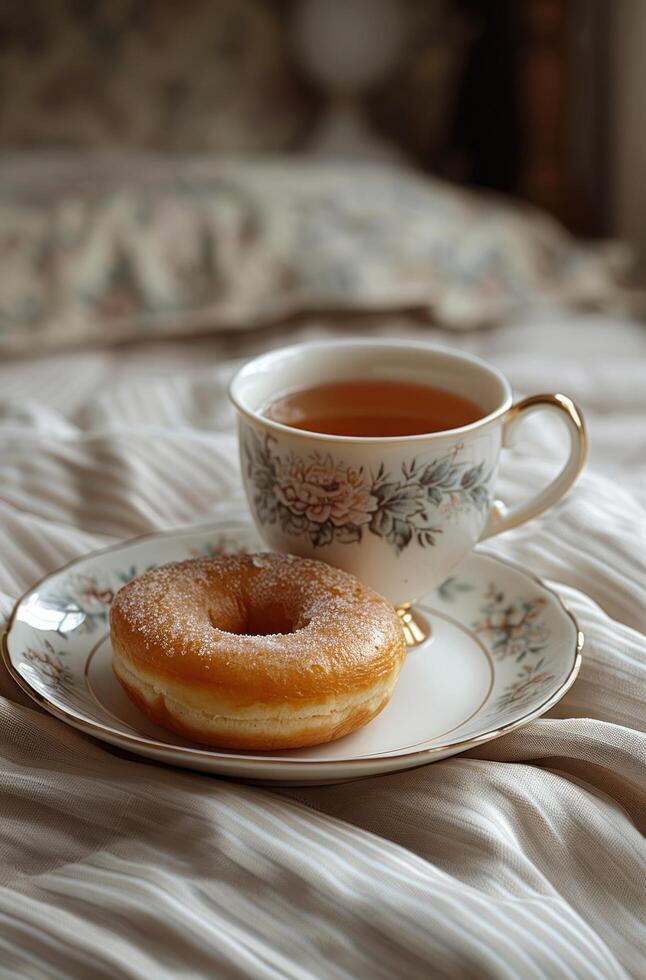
point(503, 518)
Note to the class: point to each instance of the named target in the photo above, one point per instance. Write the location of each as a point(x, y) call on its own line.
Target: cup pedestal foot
point(416, 628)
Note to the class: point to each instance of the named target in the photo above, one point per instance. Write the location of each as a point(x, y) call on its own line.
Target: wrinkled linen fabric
point(524, 858)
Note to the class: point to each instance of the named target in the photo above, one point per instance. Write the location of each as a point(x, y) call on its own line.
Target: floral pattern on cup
point(328, 500)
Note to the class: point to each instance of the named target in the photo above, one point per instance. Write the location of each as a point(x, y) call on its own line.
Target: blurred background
point(152, 150)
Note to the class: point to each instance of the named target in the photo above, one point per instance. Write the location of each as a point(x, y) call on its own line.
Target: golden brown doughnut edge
point(259, 652)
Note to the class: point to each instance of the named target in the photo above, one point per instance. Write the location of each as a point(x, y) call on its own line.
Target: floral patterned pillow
point(144, 247)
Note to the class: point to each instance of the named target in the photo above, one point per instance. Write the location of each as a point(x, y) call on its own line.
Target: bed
point(522, 858)
point(131, 288)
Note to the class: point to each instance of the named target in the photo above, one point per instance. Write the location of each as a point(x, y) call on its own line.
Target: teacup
point(400, 513)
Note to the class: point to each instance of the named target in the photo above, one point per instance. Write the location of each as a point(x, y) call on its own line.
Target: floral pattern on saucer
point(531, 680)
point(49, 665)
point(451, 588)
point(83, 600)
point(328, 500)
point(515, 629)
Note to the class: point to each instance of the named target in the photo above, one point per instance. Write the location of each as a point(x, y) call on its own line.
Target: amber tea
point(376, 408)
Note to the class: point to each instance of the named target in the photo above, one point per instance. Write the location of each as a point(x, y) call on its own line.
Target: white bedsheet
point(522, 859)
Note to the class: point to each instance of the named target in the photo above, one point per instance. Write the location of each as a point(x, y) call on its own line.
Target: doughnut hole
point(268, 619)
point(255, 619)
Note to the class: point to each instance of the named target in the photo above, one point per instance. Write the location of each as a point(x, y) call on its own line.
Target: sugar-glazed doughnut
point(257, 651)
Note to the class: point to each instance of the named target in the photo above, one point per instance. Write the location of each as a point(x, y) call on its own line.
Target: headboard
point(505, 95)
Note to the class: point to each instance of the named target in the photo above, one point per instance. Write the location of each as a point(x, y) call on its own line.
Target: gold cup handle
point(503, 518)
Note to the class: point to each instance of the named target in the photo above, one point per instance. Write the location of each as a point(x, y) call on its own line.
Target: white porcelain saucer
point(504, 649)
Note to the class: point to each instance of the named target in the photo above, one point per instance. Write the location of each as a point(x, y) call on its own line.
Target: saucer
point(503, 650)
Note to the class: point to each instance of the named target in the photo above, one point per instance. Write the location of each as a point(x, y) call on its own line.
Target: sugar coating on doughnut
point(260, 628)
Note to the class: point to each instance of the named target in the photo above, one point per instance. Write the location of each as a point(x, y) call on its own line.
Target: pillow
point(106, 251)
